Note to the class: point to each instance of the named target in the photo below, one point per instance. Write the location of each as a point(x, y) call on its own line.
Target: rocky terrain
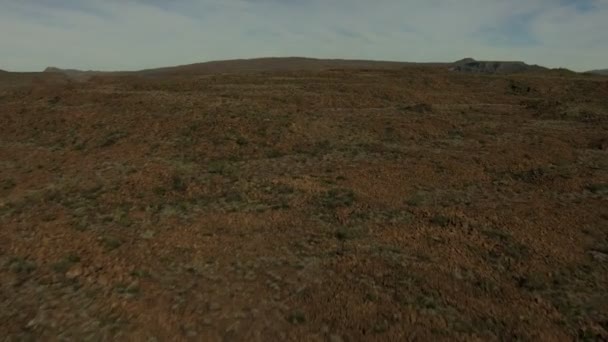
point(331, 204)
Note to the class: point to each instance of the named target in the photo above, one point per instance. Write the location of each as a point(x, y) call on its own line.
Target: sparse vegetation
point(418, 108)
point(336, 198)
point(219, 167)
point(343, 205)
point(64, 264)
point(297, 317)
point(21, 265)
point(441, 220)
point(598, 188)
point(128, 290)
point(178, 183)
point(111, 243)
point(7, 184)
point(112, 138)
point(416, 200)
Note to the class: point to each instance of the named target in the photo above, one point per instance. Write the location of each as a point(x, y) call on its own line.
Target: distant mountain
point(278, 64)
point(464, 61)
point(599, 72)
point(74, 73)
point(270, 64)
point(67, 71)
point(470, 65)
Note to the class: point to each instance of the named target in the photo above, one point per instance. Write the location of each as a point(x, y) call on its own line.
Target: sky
point(139, 34)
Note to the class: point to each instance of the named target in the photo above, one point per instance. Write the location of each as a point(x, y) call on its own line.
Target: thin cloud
point(137, 34)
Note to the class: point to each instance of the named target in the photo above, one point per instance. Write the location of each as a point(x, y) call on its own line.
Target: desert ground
point(406, 203)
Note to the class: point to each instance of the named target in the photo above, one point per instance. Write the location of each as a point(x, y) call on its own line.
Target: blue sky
point(138, 34)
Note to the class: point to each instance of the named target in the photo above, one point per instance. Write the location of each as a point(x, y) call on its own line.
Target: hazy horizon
point(140, 34)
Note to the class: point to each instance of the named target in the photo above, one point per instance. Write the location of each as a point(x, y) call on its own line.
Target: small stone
point(74, 272)
point(147, 235)
point(31, 324)
point(133, 286)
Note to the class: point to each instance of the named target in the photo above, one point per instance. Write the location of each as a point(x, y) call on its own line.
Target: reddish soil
point(405, 204)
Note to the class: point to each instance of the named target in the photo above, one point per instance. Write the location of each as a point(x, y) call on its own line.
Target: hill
point(277, 64)
point(254, 65)
point(77, 74)
point(599, 72)
point(10, 80)
point(280, 64)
